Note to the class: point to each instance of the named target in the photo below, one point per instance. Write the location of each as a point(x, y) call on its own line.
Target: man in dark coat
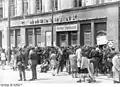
point(20, 61)
point(33, 62)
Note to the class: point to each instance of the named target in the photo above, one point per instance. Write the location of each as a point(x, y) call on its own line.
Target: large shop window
point(63, 39)
point(18, 37)
point(73, 38)
point(29, 37)
point(38, 36)
point(86, 35)
point(48, 36)
point(12, 37)
point(67, 38)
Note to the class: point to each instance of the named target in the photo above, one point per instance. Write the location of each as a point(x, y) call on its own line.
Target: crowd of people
point(80, 61)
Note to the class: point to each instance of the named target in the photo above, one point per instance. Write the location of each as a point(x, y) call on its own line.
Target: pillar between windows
point(78, 33)
point(33, 36)
point(93, 33)
point(14, 44)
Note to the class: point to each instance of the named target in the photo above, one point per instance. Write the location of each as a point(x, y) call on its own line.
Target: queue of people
point(80, 61)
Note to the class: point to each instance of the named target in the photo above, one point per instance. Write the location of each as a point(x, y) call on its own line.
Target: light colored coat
point(116, 67)
point(73, 62)
point(79, 57)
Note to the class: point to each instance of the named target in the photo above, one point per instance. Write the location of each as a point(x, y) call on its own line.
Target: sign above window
point(72, 27)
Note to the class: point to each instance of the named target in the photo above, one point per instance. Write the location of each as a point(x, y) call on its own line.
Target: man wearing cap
point(20, 61)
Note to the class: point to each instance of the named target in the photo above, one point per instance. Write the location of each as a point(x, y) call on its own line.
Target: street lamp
point(52, 21)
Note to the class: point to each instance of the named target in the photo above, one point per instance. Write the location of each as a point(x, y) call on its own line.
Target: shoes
point(79, 81)
point(53, 74)
point(116, 81)
point(20, 80)
point(24, 79)
point(31, 79)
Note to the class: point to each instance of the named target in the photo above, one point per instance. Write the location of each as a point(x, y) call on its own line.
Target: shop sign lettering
point(67, 27)
point(40, 21)
point(47, 20)
point(66, 18)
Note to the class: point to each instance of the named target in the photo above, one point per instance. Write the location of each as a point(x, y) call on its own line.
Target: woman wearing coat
point(53, 62)
point(116, 68)
point(73, 64)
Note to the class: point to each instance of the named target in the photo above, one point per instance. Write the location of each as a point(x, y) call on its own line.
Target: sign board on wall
point(101, 40)
point(48, 38)
point(72, 27)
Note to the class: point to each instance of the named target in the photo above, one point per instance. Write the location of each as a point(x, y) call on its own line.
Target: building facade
point(77, 22)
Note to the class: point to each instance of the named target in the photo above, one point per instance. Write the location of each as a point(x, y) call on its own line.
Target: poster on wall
point(48, 38)
point(101, 40)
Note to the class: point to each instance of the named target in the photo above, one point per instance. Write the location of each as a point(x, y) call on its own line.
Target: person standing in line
point(53, 62)
point(20, 62)
point(33, 59)
point(13, 60)
point(73, 64)
point(79, 58)
point(116, 67)
point(60, 60)
point(3, 58)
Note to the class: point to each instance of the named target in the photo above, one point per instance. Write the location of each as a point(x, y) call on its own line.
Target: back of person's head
point(3, 50)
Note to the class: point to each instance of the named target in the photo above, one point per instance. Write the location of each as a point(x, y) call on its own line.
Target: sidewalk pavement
point(10, 76)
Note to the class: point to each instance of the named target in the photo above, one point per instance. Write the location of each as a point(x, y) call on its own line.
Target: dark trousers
point(60, 66)
point(22, 73)
point(96, 64)
point(34, 72)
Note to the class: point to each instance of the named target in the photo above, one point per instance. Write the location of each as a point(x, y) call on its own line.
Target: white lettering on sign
point(67, 27)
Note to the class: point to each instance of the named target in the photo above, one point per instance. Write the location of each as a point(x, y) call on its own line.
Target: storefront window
point(86, 35)
point(73, 38)
point(38, 36)
point(48, 38)
point(18, 37)
point(88, 38)
point(30, 37)
point(63, 39)
point(12, 37)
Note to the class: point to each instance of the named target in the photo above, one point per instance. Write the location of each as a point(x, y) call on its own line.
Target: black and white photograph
point(59, 42)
